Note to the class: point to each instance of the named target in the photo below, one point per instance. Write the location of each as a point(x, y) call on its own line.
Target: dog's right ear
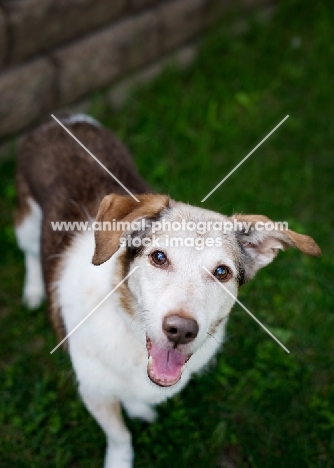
point(260, 246)
point(125, 209)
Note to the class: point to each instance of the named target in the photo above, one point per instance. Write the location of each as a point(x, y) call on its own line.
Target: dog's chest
point(105, 351)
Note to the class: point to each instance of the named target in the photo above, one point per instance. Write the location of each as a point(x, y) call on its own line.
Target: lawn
point(257, 406)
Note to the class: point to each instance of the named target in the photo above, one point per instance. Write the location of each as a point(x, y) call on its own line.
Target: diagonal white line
point(92, 311)
point(94, 157)
point(248, 312)
point(246, 157)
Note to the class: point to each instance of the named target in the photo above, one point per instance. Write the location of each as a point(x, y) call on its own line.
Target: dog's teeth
point(150, 361)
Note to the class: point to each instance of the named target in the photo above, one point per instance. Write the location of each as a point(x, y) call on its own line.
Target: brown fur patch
point(56, 318)
point(215, 325)
point(54, 307)
point(181, 313)
point(69, 185)
point(116, 410)
point(304, 243)
point(125, 297)
point(125, 209)
point(289, 238)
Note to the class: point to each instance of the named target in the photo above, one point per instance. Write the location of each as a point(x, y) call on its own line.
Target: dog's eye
point(159, 258)
point(222, 273)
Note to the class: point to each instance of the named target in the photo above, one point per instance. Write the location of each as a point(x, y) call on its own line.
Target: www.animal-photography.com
point(166, 205)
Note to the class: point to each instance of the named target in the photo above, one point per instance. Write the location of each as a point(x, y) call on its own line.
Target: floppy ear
point(260, 246)
point(125, 209)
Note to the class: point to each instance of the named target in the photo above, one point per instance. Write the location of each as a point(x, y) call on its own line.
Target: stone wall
point(54, 52)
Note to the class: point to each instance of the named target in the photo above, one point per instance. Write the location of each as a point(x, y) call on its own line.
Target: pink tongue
point(167, 363)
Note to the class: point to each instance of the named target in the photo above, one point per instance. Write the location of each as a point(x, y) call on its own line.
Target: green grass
point(258, 406)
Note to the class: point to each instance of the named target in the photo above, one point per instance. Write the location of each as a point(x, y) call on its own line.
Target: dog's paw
point(118, 463)
point(141, 410)
point(119, 457)
point(33, 297)
point(149, 416)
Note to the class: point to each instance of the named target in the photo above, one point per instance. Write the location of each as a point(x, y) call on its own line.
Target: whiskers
point(144, 319)
point(210, 342)
point(213, 337)
point(142, 322)
point(138, 324)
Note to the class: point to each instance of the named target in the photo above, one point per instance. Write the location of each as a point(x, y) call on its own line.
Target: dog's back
point(57, 180)
point(52, 164)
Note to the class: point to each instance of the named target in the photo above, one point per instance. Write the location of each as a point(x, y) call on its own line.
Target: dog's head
point(183, 254)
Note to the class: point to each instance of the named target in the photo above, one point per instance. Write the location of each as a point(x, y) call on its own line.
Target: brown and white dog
point(168, 319)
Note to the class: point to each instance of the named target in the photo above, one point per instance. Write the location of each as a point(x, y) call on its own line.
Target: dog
point(166, 321)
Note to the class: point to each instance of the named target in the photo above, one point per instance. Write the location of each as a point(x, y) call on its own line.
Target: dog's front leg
point(119, 452)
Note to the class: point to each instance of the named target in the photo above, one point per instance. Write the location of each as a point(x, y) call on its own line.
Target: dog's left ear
point(261, 245)
point(122, 208)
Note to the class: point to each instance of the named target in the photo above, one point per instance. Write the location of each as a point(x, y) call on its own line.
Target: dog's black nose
point(180, 330)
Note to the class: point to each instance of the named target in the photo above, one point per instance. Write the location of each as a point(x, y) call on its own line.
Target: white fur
point(77, 118)
point(70, 120)
point(108, 350)
point(28, 235)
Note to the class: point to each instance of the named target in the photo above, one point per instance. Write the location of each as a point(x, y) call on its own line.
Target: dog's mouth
point(165, 365)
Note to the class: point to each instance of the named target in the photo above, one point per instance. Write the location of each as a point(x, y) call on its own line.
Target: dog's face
point(191, 263)
point(180, 303)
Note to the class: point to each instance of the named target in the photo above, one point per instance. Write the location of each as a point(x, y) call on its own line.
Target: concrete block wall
point(54, 52)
